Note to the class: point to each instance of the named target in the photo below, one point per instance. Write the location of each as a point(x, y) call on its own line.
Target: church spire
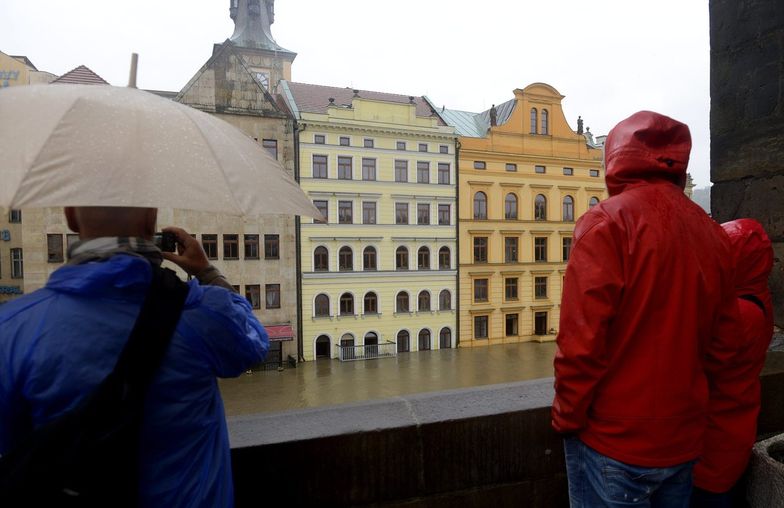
point(252, 21)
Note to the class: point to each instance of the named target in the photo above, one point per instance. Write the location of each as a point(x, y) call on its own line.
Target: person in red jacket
point(732, 422)
point(647, 316)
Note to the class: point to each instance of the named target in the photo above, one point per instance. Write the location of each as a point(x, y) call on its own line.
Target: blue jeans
point(596, 480)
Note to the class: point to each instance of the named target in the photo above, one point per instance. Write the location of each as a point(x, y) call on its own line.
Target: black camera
point(166, 241)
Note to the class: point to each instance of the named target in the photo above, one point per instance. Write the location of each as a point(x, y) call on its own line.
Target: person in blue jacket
point(58, 343)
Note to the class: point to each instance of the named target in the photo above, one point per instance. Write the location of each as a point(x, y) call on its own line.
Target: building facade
point(381, 268)
point(525, 178)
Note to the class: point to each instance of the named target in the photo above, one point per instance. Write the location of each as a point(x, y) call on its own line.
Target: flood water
point(330, 382)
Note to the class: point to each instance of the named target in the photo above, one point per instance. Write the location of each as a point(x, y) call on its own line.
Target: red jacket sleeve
point(593, 286)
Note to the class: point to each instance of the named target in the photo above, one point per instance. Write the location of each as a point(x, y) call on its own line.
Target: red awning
point(280, 332)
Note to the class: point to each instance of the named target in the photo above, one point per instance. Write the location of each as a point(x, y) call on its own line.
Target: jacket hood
point(120, 274)
point(753, 256)
point(646, 147)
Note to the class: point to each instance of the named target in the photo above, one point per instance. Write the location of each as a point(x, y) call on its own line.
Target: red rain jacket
point(648, 305)
point(732, 422)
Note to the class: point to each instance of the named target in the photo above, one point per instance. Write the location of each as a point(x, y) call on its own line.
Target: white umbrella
point(96, 145)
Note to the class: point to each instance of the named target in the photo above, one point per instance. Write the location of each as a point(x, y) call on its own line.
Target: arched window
point(540, 207)
point(445, 338)
point(371, 303)
point(444, 258)
point(423, 258)
point(322, 347)
point(593, 202)
point(480, 205)
point(424, 340)
point(401, 302)
point(347, 347)
point(445, 300)
point(345, 259)
point(322, 305)
point(369, 259)
point(568, 208)
point(533, 120)
point(401, 258)
point(321, 259)
point(424, 301)
point(510, 206)
point(403, 342)
point(371, 344)
point(545, 126)
point(346, 304)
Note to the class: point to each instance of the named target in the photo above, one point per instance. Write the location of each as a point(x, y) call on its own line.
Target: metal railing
point(367, 352)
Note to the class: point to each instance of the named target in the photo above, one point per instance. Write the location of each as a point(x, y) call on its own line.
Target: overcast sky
point(609, 58)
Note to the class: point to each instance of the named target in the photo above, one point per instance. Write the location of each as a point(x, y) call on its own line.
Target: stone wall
point(747, 120)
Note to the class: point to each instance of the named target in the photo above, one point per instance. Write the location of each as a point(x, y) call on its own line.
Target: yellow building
point(380, 273)
point(19, 70)
point(525, 178)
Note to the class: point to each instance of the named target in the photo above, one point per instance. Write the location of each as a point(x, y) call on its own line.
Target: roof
point(166, 94)
point(82, 75)
point(23, 59)
point(315, 98)
point(474, 125)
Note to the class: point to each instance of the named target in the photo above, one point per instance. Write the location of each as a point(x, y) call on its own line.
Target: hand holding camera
point(190, 255)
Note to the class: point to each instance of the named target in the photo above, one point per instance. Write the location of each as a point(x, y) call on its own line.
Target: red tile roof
point(82, 75)
point(315, 98)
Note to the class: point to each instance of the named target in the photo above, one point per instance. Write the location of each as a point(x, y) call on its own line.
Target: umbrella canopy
point(92, 145)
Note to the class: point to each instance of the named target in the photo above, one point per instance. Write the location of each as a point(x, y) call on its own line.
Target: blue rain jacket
point(58, 343)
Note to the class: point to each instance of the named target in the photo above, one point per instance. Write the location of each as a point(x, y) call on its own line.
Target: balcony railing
point(367, 352)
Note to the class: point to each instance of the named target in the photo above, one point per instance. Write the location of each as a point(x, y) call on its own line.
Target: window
point(401, 302)
point(443, 215)
point(321, 259)
point(540, 249)
point(480, 327)
point(511, 288)
point(401, 258)
point(511, 167)
point(271, 145)
point(368, 212)
point(344, 168)
point(17, 264)
point(540, 323)
point(368, 169)
point(400, 145)
point(253, 294)
point(54, 248)
point(511, 325)
point(271, 246)
point(251, 244)
point(540, 207)
point(319, 139)
point(210, 245)
point(443, 149)
point(368, 143)
point(444, 258)
point(445, 300)
point(423, 302)
point(593, 202)
point(403, 341)
point(423, 258)
point(323, 208)
point(346, 304)
point(540, 169)
point(423, 214)
point(510, 206)
point(510, 249)
point(594, 173)
point(568, 209)
point(480, 205)
point(480, 249)
point(401, 171)
point(345, 259)
point(369, 259)
point(15, 216)
point(568, 171)
point(231, 247)
point(70, 239)
point(443, 173)
point(567, 248)
point(345, 212)
point(423, 172)
point(345, 141)
point(319, 166)
point(545, 123)
point(540, 287)
point(370, 304)
point(423, 147)
point(480, 290)
point(272, 299)
point(401, 213)
point(445, 338)
point(480, 165)
point(322, 305)
point(424, 340)
point(533, 120)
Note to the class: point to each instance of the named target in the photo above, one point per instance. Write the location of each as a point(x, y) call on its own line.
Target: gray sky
point(609, 58)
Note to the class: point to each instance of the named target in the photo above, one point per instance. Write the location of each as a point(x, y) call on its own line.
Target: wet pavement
point(330, 382)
